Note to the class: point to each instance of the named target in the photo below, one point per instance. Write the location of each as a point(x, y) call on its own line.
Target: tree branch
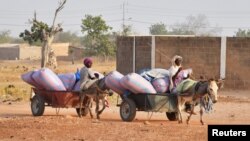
point(60, 7)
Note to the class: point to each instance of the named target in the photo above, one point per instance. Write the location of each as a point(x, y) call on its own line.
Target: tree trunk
point(51, 61)
point(73, 58)
point(44, 53)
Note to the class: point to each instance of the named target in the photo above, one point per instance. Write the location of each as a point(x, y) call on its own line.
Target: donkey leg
point(179, 110)
point(103, 103)
point(81, 98)
point(97, 107)
point(201, 114)
point(191, 113)
point(89, 107)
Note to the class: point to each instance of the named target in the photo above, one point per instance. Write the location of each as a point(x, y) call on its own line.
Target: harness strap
point(196, 87)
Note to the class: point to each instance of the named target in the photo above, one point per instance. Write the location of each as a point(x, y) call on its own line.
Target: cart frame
point(161, 102)
point(55, 99)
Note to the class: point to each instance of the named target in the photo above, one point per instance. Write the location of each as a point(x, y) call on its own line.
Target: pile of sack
point(46, 79)
point(137, 83)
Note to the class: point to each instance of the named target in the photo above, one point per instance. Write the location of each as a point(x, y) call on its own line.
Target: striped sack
point(68, 80)
point(48, 79)
point(161, 85)
point(181, 75)
point(136, 84)
point(77, 86)
point(113, 82)
point(27, 77)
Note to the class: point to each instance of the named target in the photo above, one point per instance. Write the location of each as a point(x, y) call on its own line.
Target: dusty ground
point(17, 122)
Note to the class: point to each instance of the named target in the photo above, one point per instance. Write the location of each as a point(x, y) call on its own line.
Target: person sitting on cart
point(174, 69)
point(87, 76)
point(151, 74)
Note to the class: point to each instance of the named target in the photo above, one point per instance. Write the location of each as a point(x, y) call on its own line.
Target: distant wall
point(25, 51)
point(60, 49)
point(31, 53)
point(77, 52)
point(202, 54)
point(9, 53)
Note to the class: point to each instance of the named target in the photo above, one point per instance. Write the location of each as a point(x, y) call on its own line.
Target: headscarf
point(174, 58)
point(87, 61)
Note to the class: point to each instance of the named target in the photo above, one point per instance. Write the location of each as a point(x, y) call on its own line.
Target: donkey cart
point(56, 99)
point(150, 103)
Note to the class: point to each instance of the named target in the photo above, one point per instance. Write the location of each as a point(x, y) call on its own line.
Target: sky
point(229, 15)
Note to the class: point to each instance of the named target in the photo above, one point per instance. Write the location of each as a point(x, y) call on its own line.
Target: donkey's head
point(213, 87)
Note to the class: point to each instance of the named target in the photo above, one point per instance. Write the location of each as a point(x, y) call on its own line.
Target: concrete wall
point(238, 63)
point(32, 53)
point(199, 53)
point(77, 52)
point(25, 51)
point(202, 54)
point(9, 52)
point(60, 49)
point(124, 54)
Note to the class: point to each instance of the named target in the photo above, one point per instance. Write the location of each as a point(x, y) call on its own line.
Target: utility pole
point(123, 17)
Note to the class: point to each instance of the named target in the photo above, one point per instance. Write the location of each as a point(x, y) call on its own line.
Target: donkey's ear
point(220, 83)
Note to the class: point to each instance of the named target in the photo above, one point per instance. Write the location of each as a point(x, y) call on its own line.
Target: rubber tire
point(37, 105)
point(127, 110)
point(172, 116)
point(85, 111)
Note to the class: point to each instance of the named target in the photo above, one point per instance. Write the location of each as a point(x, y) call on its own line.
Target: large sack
point(27, 77)
point(68, 79)
point(112, 81)
point(77, 86)
point(161, 85)
point(48, 79)
point(181, 75)
point(136, 84)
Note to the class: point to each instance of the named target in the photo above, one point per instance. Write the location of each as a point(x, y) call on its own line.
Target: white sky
point(228, 14)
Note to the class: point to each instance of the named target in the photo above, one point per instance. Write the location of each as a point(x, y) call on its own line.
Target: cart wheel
point(37, 105)
point(172, 116)
point(128, 110)
point(84, 111)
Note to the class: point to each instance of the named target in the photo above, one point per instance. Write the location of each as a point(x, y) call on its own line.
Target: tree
point(97, 39)
point(127, 30)
point(5, 36)
point(40, 31)
point(158, 29)
point(64, 37)
point(198, 25)
point(242, 33)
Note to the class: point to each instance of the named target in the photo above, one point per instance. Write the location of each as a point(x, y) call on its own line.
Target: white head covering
point(174, 58)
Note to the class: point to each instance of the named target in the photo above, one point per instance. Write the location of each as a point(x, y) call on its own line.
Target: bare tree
point(41, 31)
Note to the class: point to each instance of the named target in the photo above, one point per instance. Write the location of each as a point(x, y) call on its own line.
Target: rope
point(57, 111)
point(207, 103)
point(149, 117)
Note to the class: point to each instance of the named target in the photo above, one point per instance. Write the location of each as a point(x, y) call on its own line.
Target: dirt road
point(17, 123)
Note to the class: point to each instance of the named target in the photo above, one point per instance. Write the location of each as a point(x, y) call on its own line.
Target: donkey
point(195, 95)
point(96, 92)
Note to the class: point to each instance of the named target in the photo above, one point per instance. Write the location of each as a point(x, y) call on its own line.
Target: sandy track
point(17, 123)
